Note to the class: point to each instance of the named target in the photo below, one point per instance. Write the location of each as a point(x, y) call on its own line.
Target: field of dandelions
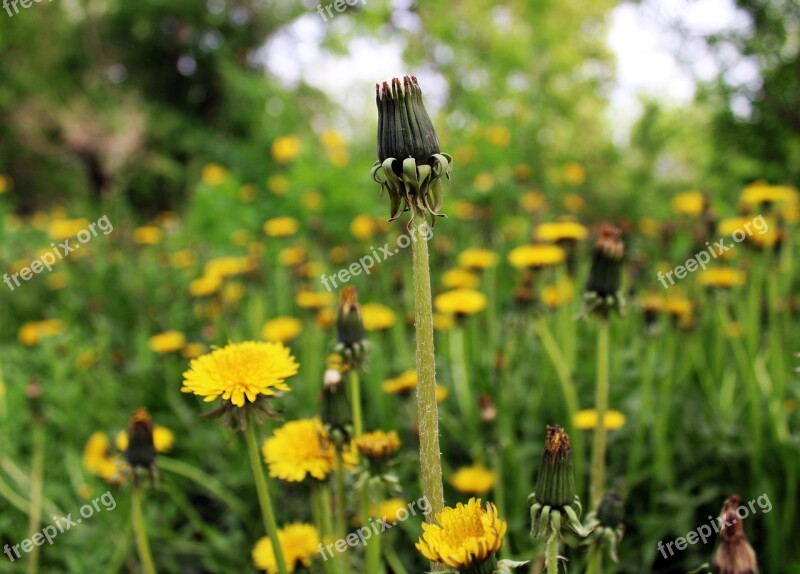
point(310, 426)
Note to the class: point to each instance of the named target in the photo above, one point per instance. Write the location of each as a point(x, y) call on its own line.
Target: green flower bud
point(410, 167)
point(555, 485)
point(141, 452)
point(605, 275)
point(404, 128)
point(350, 329)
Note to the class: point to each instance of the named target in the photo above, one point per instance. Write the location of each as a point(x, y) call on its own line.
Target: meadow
point(501, 358)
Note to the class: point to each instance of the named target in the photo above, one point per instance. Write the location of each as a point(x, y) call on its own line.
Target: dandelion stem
point(373, 549)
point(35, 509)
point(460, 379)
point(551, 556)
point(355, 392)
point(427, 409)
point(340, 518)
point(140, 531)
point(264, 499)
point(599, 446)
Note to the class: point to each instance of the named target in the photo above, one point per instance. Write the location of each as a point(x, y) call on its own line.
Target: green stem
point(460, 379)
point(393, 560)
point(140, 531)
point(373, 550)
point(599, 446)
point(37, 484)
point(427, 409)
point(264, 499)
point(355, 392)
point(552, 555)
point(340, 562)
point(341, 522)
point(595, 560)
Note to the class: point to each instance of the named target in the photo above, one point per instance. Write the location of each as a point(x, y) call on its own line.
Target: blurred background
point(190, 124)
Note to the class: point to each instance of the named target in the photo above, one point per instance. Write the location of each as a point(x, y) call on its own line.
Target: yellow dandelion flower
point(587, 419)
point(314, 299)
point(325, 317)
point(281, 226)
point(57, 281)
point(5, 184)
point(460, 302)
point(377, 317)
point(443, 321)
point(338, 254)
point(475, 479)
point(163, 439)
point(499, 136)
point(193, 350)
point(532, 201)
point(463, 537)
point(389, 510)
point(465, 210)
point(759, 192)
point(539, 255)
point(558, 294)
point(286, 148)
point(205, 285)
point(147, 235)
point(649, 227)
point(561, 231)
point(228, 266)
point(339, 157)
point(403, 384)
point(378, 445)
point(214, 174)
point(61, 229)
point(182, 259)
point(240, 371)
point(277, 184)
point(299, 544)
point(248, 193)
point(301, 448)
point(573, 202)
point(691, 203)
point(331, 139)
point(574, 174)
point(167, 342)
point(678, 306)
point(652, 302)
point(760, 231)
point(100, 461)
point(232, 293)
point(363, 226)
point(460, 279)
point(722, 277)
point(281, 329)
point(311, 200)
point(477, 259)
point(292, 256)
point(483, 182)
point(32, 333)
point(441, 393)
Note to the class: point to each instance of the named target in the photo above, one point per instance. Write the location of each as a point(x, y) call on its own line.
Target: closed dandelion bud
point(734, 554)
point(350, 329)
point(611, 510)
point(141, 452)
point(488, 410)
point(555, 507)
point(555, 485)
point(404, 128)
point(605, 275)
point(410, 167)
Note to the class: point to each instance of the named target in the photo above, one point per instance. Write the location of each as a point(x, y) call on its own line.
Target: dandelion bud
point(350, 329)
point(611, 510)
point(141, 451)
point(488, 410)
point(410, 166)
point(734, 555)
point(555, 485)
point(404, 128)
point(605, 275)
point(336, 413)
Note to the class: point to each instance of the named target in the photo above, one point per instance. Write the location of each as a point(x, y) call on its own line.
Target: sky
point(657, 43)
